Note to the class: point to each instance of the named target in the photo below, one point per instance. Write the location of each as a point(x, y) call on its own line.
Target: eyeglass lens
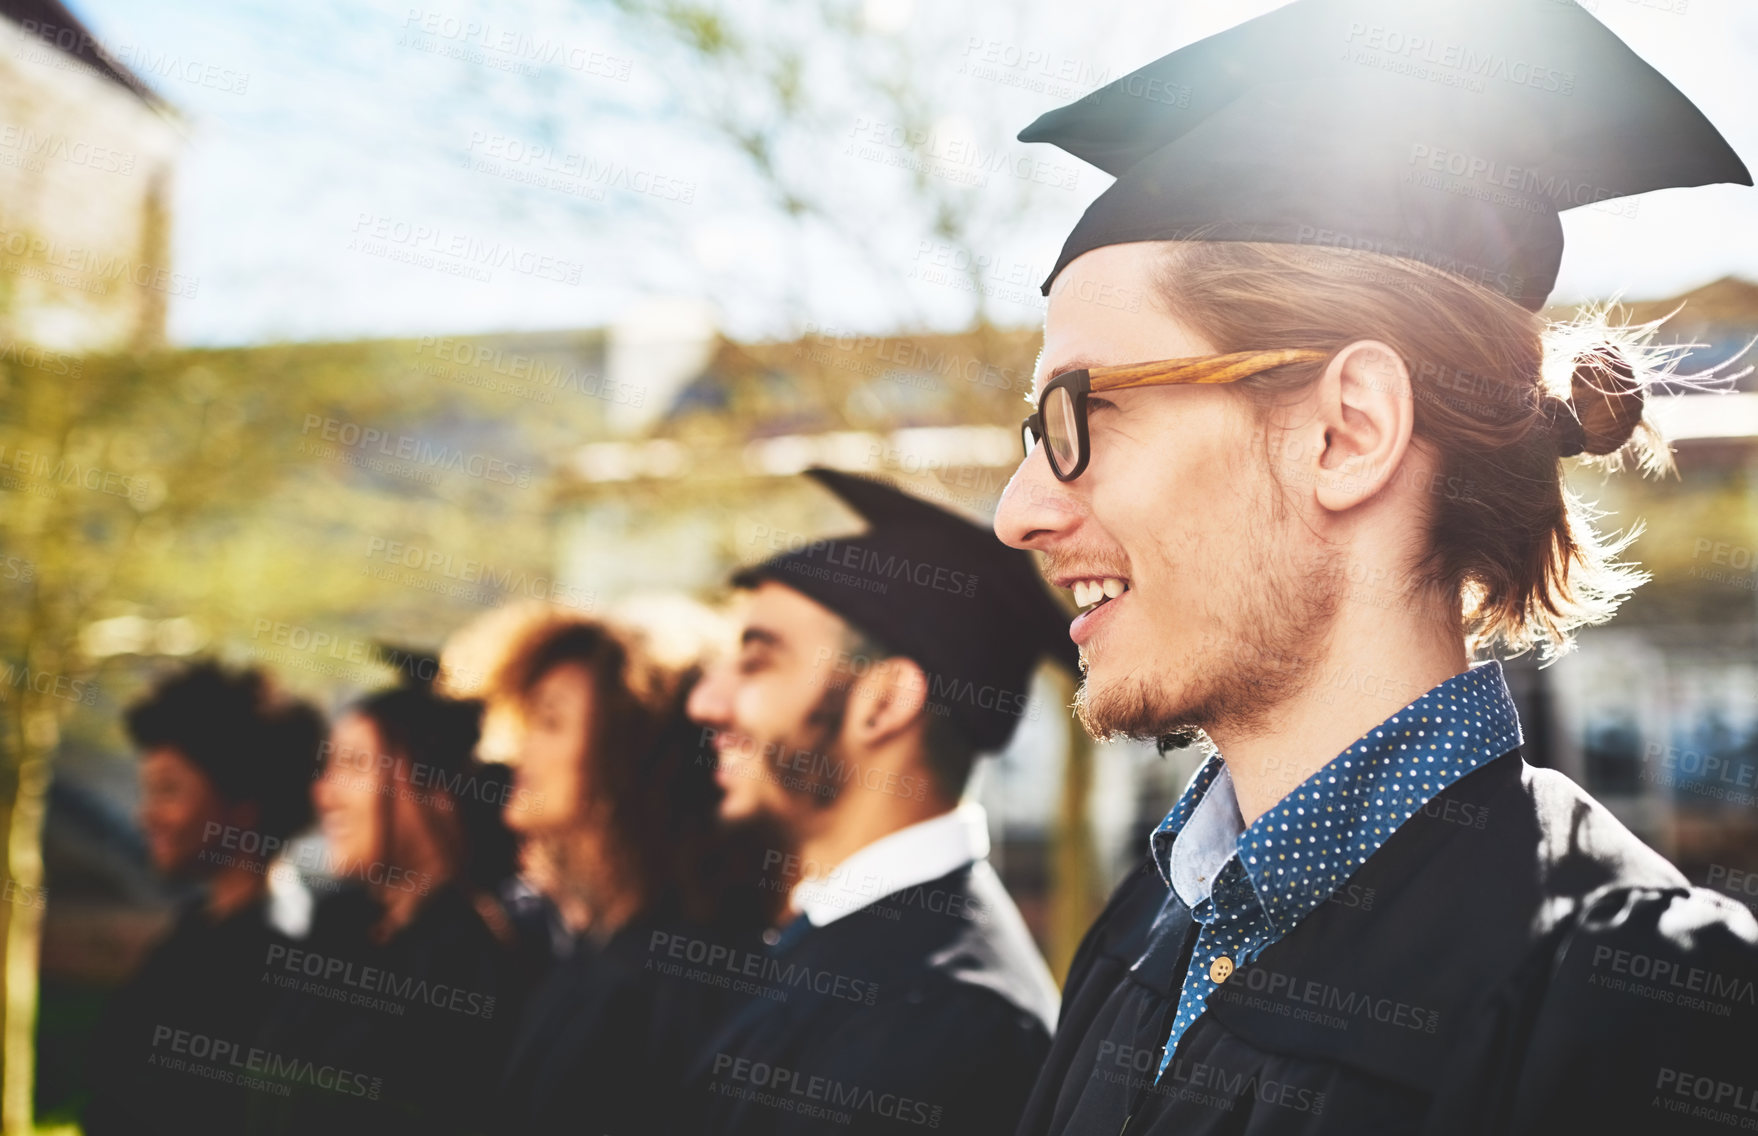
point(1061, 432)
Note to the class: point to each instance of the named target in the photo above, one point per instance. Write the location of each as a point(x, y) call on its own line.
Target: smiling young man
point(1298, 483)
point(871, 671)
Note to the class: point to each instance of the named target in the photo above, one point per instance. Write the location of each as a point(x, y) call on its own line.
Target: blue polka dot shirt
point(1263, 880)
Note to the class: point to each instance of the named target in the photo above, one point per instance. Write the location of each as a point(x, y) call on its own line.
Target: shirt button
point(1220, 970)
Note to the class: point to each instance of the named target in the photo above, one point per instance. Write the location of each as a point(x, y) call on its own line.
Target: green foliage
point(216, 489)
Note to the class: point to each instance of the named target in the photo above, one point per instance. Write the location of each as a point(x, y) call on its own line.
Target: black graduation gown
point(407, 1036)
point(929, 1008)
point(606, 1039)
point(201, 981)
point(1511, 961)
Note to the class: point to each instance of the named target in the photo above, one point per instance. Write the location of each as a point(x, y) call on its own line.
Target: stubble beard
point(1253, 655)
point(816, 787)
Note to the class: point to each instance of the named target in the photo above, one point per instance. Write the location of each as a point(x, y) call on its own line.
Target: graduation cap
point(1450, 132)
point(935, 588)
point(415, 666)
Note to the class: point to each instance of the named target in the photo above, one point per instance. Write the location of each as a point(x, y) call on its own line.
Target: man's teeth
point(1089, 592)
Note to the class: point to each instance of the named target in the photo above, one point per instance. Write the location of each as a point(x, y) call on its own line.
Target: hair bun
point(1605, 405)
point(1562, 427)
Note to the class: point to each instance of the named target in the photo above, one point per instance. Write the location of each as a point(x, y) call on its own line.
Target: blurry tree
point(887, 125)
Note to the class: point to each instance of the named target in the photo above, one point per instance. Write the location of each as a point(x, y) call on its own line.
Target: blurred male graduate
point(1297, 489)
point(871, 671)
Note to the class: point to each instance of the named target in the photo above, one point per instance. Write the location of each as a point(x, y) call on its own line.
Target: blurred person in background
point(395, 1012)
point(225, 768)
point(1299, 453)
point(906, 992)
point(469, 664)
point(615, 802)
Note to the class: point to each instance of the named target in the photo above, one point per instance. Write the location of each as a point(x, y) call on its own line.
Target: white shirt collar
point(1209, 838)
point(290, 902)
point(914, 855)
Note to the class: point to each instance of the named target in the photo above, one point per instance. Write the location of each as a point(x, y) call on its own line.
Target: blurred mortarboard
point(1445, 131)
point(933, 587)
point(415, 666)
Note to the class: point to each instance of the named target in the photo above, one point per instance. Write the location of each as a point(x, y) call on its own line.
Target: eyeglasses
point(1061, 418)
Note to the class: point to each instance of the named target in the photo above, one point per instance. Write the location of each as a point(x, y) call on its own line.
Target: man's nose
point(711, 699)
point(1036, 509)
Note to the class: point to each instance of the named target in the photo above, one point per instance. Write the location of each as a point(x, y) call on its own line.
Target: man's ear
point(1366, 411)
point(886, 702)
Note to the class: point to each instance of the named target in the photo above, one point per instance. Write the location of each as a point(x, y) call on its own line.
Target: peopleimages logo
point(761, 967)
point(1289, 995)
point(32, 147)
point(1134, 1065)
point(39, 358)
point(1453, 64)
point(534, 368)
point(81, 691)
point(472, 577)
point(227, 846)
point(1677, 983)
point(420, 243)
point(295, 963)
point(75, 43)
point(416, 451)
point(49, 468)
point(447, 784)
point(809, 772)
point(865, 567)
point(1713, 1096)
point(96, 267)
point(941, 690)
point(795, 1091)
point(222, 1060)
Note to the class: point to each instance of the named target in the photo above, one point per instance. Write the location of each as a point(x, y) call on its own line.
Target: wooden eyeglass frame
point(1166, 372)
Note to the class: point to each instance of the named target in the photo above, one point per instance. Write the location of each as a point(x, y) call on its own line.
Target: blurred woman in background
point(617, 802)
point(406, 992)
point(225, 765)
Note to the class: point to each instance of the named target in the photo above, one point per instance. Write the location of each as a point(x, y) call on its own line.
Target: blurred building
point(87, 153)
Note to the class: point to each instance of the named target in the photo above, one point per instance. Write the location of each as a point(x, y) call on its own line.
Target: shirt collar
point(914, 855)
point(1206, 842)
point(1300, 851)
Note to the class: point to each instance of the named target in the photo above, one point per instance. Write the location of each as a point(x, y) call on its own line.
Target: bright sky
point(332, 120)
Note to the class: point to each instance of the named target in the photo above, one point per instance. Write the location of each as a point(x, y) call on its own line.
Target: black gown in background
point(928, 1009)
point(605, 1040)
point(153, 1065)
point(1511, 961)
point(400, 1037)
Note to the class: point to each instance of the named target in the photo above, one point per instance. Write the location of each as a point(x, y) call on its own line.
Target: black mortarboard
point(931, 586)
point(1445, 131)
point(415, 666)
